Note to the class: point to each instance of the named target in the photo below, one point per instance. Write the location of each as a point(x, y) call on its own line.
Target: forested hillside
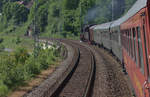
point(58, 17)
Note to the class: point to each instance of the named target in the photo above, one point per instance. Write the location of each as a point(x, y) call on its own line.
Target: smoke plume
point(102, 12)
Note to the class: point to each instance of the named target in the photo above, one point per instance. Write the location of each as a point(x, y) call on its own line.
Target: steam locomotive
point(128, 38)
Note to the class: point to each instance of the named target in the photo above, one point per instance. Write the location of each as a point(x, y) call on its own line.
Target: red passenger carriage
point(134, 52)
point(135, 49)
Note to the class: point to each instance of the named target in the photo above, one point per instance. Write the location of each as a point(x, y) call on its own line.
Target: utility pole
point(112, 10)
point(80, 17)
point(36, 38)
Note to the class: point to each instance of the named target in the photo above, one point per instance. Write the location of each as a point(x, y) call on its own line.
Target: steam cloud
point(105, 11)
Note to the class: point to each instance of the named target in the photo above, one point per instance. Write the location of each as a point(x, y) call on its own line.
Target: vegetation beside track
point(12, 42)
point(19, 66)
point(58, 18)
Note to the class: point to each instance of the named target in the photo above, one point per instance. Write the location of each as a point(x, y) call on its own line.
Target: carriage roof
point(103, 26)
point(139, 4)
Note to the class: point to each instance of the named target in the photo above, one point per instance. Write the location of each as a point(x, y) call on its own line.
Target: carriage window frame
point(128, 42)
point(131, 37)
point(125, 40)
point(140, 50)
point(121, 37)
point(146, 50)
point(135, 46)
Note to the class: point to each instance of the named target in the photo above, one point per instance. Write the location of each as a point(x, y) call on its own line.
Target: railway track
point(77, 79)
point(110, 80)
point(91, 72)
point(80, 80)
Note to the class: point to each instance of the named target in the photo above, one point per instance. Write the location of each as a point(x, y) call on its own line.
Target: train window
point(130, 34)
point(135, 46)
point(131, 38)
point(140, 48)
point(128, 42)
point(146, 49)
point(123, 38)
point(117, 38)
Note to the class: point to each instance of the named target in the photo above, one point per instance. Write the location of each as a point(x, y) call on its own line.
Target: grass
point(19, 66)
point(12, 42)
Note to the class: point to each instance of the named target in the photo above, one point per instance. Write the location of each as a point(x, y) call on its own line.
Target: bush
point(32, 66)
point(18, 40)
point(1, 40)
point(2, 47)
point(17, 74)
point(21, 55)
point(20, 66)
point(3, 89)
point(15, 12)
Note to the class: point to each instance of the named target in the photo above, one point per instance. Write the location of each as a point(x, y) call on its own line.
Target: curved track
point(91, 72)
point(79, 81)
point(110, 80)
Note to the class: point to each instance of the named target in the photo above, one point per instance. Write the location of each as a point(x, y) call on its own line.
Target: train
point(128, 38)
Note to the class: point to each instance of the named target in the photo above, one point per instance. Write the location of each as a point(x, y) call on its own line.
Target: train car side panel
point(116, 42)
point(134, 52)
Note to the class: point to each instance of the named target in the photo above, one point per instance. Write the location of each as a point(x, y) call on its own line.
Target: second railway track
point(79, 82)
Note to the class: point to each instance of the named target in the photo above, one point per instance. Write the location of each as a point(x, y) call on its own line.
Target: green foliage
point(128, 4)
point(21, 55)
point(55, 19)
point(20, 66)
point(71, 4)
point(2, 47)
point(18, 40)
point(42, 17)
point(39, 12)
point(69, 20)
point(15, 12)
point(32, 66)
point(59, 17)
point(12, 42)
point(1, 40)
point(3, 89)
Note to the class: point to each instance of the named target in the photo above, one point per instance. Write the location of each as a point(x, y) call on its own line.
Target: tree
point(42, 17)
point(61, 16)
point(71, 4)
point(17, 13)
